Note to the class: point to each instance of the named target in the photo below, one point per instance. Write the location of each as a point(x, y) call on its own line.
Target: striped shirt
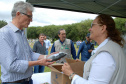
point(15, 53)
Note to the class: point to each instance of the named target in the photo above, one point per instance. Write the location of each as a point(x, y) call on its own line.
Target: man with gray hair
point(16, 57)
point(64, 45)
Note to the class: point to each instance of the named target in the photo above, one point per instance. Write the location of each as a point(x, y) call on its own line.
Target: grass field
point(46, 68)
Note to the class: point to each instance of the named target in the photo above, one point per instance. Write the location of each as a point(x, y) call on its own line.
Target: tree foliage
point(76, 31)
point(2, 23)
point(121, 24)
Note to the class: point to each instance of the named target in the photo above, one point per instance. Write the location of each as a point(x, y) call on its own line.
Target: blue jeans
point(46, 51)
point(25, 82)
point(39, 69)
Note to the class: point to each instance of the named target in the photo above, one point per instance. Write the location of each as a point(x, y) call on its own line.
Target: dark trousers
point(47, 51)
point(25, 82)
point(39, 69)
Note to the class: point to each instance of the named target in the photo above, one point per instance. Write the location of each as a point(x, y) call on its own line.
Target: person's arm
point(49, 45)
point(103, 64)
point(13, 63)
point(53, 48)
point(73, 51)
point(44, 62)
point(92, 48)
point(49, 48)
point(35, 47)
point(80, 50)
point(90, 51)
point(9, 58)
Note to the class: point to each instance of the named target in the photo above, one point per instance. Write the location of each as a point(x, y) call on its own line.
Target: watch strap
point(45, 56)
point(70, 76)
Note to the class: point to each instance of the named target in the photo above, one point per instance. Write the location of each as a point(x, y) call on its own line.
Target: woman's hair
point(112, 32)
point(22, 7)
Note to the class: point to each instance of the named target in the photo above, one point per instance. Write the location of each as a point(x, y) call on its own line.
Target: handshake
point(56, 56)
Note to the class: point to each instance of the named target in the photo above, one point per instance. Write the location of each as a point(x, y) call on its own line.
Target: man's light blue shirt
point(15, 53)
point(48, 43)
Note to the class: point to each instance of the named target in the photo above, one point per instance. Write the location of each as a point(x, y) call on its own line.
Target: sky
point(43, 16)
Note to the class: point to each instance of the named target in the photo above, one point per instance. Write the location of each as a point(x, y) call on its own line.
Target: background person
point(107, 65)
point(78, 43)
point(48, 45)
point(16, 57)
point(40, 47)
point(85, 49)
point(64, 45)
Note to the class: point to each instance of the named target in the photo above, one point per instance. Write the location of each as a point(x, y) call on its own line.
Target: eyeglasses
point(29, 16)
point(95, 24)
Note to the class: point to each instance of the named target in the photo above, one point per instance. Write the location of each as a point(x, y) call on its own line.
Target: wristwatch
point(70, 76)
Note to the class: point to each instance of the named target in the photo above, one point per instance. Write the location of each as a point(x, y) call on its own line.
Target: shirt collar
point(13, 27)
point(102, 44)
point(40, 42)
point(61, 41)
point(87, 42)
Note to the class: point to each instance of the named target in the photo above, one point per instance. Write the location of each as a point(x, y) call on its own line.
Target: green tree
point(83, 28)
point(32, 32)
point(76, 31)
point(120, 24)
point(2, 23)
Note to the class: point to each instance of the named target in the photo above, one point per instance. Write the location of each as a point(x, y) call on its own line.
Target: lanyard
point(64, 46)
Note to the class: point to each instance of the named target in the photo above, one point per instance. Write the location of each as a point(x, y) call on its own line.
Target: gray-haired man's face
point(62, 35)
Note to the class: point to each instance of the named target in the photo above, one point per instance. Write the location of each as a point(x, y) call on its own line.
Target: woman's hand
point(77, 60)
point(67, 69)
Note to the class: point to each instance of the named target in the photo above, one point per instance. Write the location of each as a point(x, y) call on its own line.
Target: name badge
point(66, 47)
point(61, 47)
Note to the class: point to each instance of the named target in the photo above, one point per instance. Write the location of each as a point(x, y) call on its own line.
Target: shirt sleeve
point(34, 55)
point(80, 50)
point(7, 53)
point(34, 47)
point(103, 64)
point(53, 48)
point(73, 52)
point(49, 43)
point(92, 46)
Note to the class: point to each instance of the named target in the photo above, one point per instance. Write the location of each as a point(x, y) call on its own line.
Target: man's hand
point(90, 51)
point(45, 62)
point(42, 56)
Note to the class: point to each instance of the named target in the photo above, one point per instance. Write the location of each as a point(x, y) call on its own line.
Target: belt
point(20, 81)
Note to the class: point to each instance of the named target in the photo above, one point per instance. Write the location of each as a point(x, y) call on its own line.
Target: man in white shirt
point(48, 45)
